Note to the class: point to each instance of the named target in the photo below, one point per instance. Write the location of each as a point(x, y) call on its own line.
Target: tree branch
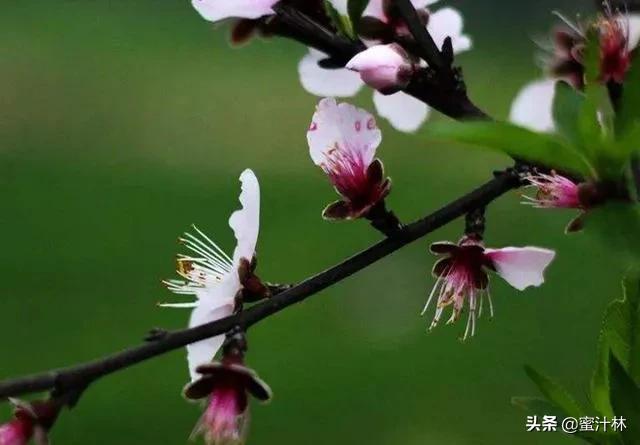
point(439, 85)
point(75, 378)
point(426, 47)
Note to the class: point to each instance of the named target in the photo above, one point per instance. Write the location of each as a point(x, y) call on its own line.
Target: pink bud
point(16, 432)
point(386, 68)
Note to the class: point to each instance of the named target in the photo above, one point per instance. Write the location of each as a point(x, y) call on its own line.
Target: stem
point(80, 376)
point(427, 47)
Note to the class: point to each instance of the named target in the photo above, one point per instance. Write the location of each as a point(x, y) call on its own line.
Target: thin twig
point(427, 47)
point(82, 375)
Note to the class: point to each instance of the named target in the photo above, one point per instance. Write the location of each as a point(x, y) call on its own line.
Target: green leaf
point(622, 326)
point(355, 9)
point(595, 124)
point(619, 338)
point(617, 225)
point(537, 406)
point(518, 142)
point(591, 56)
point(627, 143)
point(599, 387)
point(542, 407)
point(567, 103)
point(342, 23)
point(555, 393)
point(628, 114)
point(625, 398)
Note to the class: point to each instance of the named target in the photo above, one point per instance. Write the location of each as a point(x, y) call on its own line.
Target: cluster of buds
point(31, 420)
point(225, 385)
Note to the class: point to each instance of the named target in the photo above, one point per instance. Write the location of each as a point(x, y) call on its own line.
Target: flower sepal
point(226, 386)
point(370, 204)
point(253, 288)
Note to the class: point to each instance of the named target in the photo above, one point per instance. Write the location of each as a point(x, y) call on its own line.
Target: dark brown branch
point(426, 46)
point(78, 377)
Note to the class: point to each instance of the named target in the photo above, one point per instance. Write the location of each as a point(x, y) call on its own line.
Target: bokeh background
point(124, 121)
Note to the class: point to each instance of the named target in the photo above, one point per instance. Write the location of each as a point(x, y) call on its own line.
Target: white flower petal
point(521, 267)
point(404, 112)
point(345, 126)
point(375, 9)
point(216, 10)
point(447, 22)
point(246, 221)
point(634, 30)
point(204, 351)
point(340, 5)
point(327, 82)
point(532, 107)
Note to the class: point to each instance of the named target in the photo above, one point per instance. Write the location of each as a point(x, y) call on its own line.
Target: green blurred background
point(123, 122)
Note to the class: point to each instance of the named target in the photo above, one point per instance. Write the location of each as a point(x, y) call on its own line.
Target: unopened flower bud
point(387, 68)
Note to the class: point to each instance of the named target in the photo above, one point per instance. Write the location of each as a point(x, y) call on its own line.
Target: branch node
point(156, 334)
point(384, 220)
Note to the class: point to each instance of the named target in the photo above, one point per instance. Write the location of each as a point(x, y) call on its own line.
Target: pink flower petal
point(216, 10)
point(521, 267)
point(345, 127)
